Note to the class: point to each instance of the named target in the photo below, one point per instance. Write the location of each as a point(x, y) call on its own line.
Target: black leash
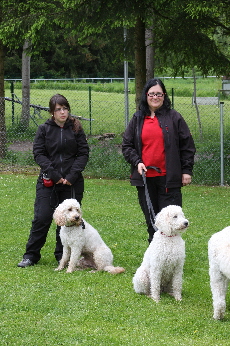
point(54, 200)
point(148, 201)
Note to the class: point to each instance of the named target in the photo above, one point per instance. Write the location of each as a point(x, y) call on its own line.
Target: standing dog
point(219, 270)
point(79, 238)
point(162, 265)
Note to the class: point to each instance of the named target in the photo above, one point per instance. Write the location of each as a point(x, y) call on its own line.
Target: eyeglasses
point(61, 109)
point(155, 94)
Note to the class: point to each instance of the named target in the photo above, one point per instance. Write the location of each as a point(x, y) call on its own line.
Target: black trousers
point(160, 197)
point(47, 199)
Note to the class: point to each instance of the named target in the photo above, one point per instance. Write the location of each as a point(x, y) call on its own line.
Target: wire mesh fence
point(103, 116)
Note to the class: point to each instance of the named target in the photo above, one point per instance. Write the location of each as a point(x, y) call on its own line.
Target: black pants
point(47, 199)
point(160, 197)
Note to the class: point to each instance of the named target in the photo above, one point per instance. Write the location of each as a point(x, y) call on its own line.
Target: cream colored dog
point(162, 265)
point(219, 270)
point(79, 238)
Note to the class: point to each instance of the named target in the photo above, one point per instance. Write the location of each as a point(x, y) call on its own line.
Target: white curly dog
point(219, 270)
point(162, 266)
point(79, 239)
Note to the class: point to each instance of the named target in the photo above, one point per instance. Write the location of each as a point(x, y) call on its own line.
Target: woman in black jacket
point(158, 137)
point(61, 150)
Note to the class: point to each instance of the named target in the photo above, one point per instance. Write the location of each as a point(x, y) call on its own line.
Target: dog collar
point(169, 235)
point(82, 225)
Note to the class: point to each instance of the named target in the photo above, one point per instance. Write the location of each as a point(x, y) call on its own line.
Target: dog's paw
point(176, 296)
point(70, 270)
point(155, 298)
point(58, 268)
point(179, 299)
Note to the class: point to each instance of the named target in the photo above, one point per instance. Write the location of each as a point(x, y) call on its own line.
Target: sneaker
point(26, 262)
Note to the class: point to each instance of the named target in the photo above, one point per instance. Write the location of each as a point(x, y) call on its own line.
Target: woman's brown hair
point(62, 101)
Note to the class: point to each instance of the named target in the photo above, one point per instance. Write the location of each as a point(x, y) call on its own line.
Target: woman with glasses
point(158, 144)
point(60, 149)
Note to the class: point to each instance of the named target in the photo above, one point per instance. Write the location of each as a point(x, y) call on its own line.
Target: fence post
point(12, 96)
point(90, 112)
point(222, 143)
point(172, 98)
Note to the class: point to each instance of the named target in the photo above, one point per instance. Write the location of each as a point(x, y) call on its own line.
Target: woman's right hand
point(60, 181)
point(141, 167)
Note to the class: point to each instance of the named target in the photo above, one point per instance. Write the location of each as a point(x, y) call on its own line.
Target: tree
point(140, 58)
point(149, 44)
point(184, 30)
point(25, 116)
point(2, 100)
point(19, 29)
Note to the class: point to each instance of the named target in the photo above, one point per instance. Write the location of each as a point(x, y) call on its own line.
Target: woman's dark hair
point(143, 106)
point(62, 101)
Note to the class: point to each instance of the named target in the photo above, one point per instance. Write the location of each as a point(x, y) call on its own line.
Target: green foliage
point(19, 158)
point(19, 132)
point(106, 160)
point(42, 307)
point(189, 35)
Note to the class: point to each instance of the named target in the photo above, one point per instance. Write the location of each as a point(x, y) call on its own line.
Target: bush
point(106, 161)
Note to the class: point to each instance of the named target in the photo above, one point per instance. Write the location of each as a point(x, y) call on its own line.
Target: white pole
point(221, 144)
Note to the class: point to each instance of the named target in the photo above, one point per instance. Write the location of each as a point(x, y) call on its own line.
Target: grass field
point(106, 109)
point(42, 307)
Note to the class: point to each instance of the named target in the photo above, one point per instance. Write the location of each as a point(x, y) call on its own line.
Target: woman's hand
point(186, 179)
point(60, 181)
point(64, 182)
point(141, 167)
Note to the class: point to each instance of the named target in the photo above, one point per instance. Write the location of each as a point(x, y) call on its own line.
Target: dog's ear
point(59, 216)
point(162, 221)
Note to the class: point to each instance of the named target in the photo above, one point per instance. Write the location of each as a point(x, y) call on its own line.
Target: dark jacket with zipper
point(60, 152)
point(178, 143)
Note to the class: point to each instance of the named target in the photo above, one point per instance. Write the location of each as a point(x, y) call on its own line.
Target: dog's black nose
point(76, 217)
point(186, 223)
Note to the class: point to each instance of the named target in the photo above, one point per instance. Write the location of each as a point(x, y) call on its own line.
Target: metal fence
point(103, 115)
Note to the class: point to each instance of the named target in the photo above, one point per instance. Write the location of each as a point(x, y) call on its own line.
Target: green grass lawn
point(107, 108)
point(42, 307)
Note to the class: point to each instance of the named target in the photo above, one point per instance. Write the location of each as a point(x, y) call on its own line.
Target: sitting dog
point(219, 270)
point(162, 265)
point(79, 238)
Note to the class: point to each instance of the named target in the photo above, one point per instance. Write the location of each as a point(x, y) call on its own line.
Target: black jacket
point(60, 152)
point(178, 142)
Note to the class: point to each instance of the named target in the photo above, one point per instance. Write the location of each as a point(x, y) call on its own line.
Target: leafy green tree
point(2, 98)
point(190, 40)
point(185, 32)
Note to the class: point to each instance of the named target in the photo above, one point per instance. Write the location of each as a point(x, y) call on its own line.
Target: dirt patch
point(21, 146)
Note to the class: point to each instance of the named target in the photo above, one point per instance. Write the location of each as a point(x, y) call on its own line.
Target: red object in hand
point(47, 182)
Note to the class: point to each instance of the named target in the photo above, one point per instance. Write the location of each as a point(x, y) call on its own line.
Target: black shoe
point(26, 262)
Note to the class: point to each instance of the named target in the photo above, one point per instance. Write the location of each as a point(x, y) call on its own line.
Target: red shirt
point(153, 151)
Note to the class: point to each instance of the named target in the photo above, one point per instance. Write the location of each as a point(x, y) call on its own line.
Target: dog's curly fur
point(79, 239)
point(163, 261)
point(219, 270)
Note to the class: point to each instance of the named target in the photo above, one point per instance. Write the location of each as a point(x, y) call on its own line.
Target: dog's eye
point(70, 209)
point(175, 216)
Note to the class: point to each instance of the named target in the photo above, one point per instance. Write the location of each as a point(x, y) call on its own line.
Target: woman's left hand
point(66, 182)
point(186, 179)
